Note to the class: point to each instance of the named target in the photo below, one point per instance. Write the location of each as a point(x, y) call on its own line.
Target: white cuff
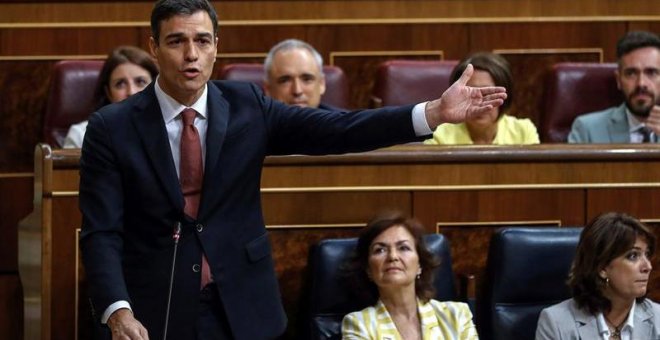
point(114, 307)
point(420, 124)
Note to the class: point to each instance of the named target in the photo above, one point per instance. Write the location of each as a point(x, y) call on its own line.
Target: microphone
point(176, 235)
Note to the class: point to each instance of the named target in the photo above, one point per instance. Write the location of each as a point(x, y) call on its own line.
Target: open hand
point(461, 102)
point(653, 120)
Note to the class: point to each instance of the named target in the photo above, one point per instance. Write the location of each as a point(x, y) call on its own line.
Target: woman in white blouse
point(126, 71)
point(609, 280)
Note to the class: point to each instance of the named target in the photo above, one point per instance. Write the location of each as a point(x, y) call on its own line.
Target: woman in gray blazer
point(608, 280)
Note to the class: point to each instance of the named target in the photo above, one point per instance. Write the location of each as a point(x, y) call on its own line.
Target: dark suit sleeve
point(101, 204)
point(315, 131)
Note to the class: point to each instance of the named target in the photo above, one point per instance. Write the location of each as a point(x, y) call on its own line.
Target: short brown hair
point(605, 238)
point(356, 269)
point(498, 68)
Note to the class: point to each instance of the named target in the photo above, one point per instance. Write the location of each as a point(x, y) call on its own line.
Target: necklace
point(616, 333)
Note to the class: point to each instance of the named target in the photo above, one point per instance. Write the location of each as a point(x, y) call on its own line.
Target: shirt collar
point(170, 108)
point(633, 122)
point(627, 326)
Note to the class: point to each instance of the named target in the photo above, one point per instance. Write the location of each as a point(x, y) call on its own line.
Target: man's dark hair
point(634, 40)
point(165, 9)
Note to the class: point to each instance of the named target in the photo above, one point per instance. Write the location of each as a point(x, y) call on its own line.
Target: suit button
point(199, 227)
point(196, 268)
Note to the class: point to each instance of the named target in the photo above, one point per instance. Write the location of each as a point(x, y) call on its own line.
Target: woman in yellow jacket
point(495, 126)
point(393, 265)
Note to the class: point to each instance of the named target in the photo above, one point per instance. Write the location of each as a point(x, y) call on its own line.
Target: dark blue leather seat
point(329, 298)
point(526, 271)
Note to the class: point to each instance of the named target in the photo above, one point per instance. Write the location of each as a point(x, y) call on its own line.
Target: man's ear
point(322, 85)
point(617, 77)
point(153, 46)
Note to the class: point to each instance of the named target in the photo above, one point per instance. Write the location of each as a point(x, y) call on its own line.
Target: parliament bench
point(464, 193)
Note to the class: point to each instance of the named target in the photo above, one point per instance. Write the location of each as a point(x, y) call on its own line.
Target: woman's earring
point(607, 281)
point(419, 274)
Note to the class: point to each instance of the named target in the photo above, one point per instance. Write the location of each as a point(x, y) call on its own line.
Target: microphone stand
point(175, 237)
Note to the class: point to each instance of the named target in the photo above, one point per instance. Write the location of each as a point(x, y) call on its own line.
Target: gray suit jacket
point(566, 321)
point(607, 126)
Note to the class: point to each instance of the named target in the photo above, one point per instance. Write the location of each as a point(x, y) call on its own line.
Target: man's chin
point(640, 110)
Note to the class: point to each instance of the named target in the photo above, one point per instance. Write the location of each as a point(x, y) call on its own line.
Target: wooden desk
point(462, 192)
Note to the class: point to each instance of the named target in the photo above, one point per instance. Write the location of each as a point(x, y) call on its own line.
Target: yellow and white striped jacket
point(440, 320)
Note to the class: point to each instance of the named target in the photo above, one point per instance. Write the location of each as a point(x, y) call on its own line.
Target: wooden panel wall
point(356, 35)
point(15, 204)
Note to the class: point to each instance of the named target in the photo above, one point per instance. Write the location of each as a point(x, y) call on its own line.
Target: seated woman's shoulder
point(452, 307)
point(651, 306)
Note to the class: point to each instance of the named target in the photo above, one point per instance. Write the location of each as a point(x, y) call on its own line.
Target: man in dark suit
point(137, 201)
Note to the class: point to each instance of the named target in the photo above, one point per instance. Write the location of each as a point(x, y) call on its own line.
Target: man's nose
point(190, 52)
point(296, 87)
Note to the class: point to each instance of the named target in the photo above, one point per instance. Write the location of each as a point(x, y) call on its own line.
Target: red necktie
point(191, 174)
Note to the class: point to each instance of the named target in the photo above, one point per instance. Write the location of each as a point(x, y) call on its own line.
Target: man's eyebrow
point(174, 35)
point(204, 35)
point(181, 34)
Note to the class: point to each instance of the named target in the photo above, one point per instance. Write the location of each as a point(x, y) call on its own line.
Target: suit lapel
point(429, 321)
point(386, 327)
point(149, 123)
point(218, 115)
point(618, 127)
point(586, 324)
point(643, 322)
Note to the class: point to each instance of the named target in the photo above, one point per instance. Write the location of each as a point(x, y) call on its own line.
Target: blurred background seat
point(572, 89)
point(336, 93)
point(526, 271)
point(70, 98)
point(403, 82)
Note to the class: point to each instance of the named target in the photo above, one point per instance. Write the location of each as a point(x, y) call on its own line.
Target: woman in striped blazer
point(392, 266)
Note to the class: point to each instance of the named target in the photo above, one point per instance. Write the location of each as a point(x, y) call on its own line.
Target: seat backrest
point(329, 298)
point(70, 98)
point(572, 89)
point(336, 84)
point(402, 82)
point(526, 271)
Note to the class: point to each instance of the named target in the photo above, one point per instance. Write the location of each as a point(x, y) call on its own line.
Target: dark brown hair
point(496, 66)
point(636, 40)
point(356, 269)
point(118, 56)
point(605, 238)
point(166, 9)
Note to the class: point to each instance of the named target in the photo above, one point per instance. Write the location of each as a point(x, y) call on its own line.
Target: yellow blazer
point(510, 130)
point(440, 320)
